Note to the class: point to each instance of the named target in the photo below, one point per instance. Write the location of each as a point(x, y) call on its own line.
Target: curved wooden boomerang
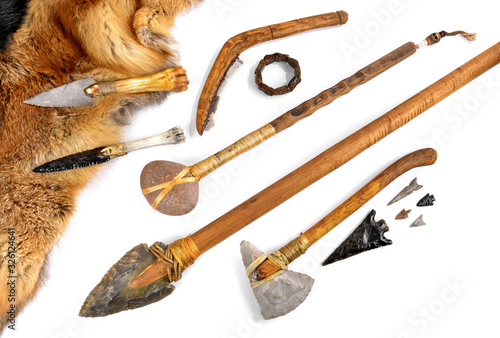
point(236, 45)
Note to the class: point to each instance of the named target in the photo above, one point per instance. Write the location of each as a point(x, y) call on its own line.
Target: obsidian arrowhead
point(426, 201)
point(368, 235)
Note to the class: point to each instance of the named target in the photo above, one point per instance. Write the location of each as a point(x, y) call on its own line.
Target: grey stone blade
point(280, 295)
point(79, 160)
point(408, 190)
point(113, 294)
point(368, 235)
point(418, 222)
point(68, 95)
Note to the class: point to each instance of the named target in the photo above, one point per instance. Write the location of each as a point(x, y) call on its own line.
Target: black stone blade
point(80, 160)
point(368, 235)
point(113, 294)
point(427, 200)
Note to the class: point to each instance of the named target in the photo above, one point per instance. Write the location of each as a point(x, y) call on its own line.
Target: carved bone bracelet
point(277, 57)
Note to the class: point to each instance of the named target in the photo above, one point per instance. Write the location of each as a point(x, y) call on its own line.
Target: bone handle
point(166, 80)
point(172, 136)
point(239, 43)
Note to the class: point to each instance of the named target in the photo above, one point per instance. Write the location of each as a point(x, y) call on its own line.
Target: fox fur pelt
point(57, 42)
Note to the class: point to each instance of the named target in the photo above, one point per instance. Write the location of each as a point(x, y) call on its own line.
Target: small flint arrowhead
point(68, 95)
point(403, 214)
point(368, 235)
point(280, 295)
point(114, 294)
point(418, 222)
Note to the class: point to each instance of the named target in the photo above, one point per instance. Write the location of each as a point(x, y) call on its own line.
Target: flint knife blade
point(80, 160)
point(68, 95)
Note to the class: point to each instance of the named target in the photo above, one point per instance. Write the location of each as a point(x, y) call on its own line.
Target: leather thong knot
point(177, 256)
point(167, 186)
point(280, 258)
point(277, 258)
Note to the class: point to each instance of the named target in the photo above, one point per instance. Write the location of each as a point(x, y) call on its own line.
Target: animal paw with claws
point(175, 79)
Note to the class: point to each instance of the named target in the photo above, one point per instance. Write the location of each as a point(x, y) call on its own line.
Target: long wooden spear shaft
point(182, 253)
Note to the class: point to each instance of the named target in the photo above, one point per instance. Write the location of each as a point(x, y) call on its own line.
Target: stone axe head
point(280, 294)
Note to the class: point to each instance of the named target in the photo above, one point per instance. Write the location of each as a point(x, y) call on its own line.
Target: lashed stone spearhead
point(114, 294)
point(368, 235)
point(280, 295)
point(413, 186)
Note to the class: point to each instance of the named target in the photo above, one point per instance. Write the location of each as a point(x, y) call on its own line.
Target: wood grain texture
point(342, 152)
point(418, 158)
point(288, 119)
point(415, 159)
point(239, 43)
point(337, 155)
point(343, 87)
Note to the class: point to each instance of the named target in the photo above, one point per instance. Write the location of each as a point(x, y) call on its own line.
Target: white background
point(437, 280)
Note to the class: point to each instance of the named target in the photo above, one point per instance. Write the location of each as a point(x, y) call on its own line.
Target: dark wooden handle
point(326, 97)
point(340, 153)
point(418, 158)
point(241, 42)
